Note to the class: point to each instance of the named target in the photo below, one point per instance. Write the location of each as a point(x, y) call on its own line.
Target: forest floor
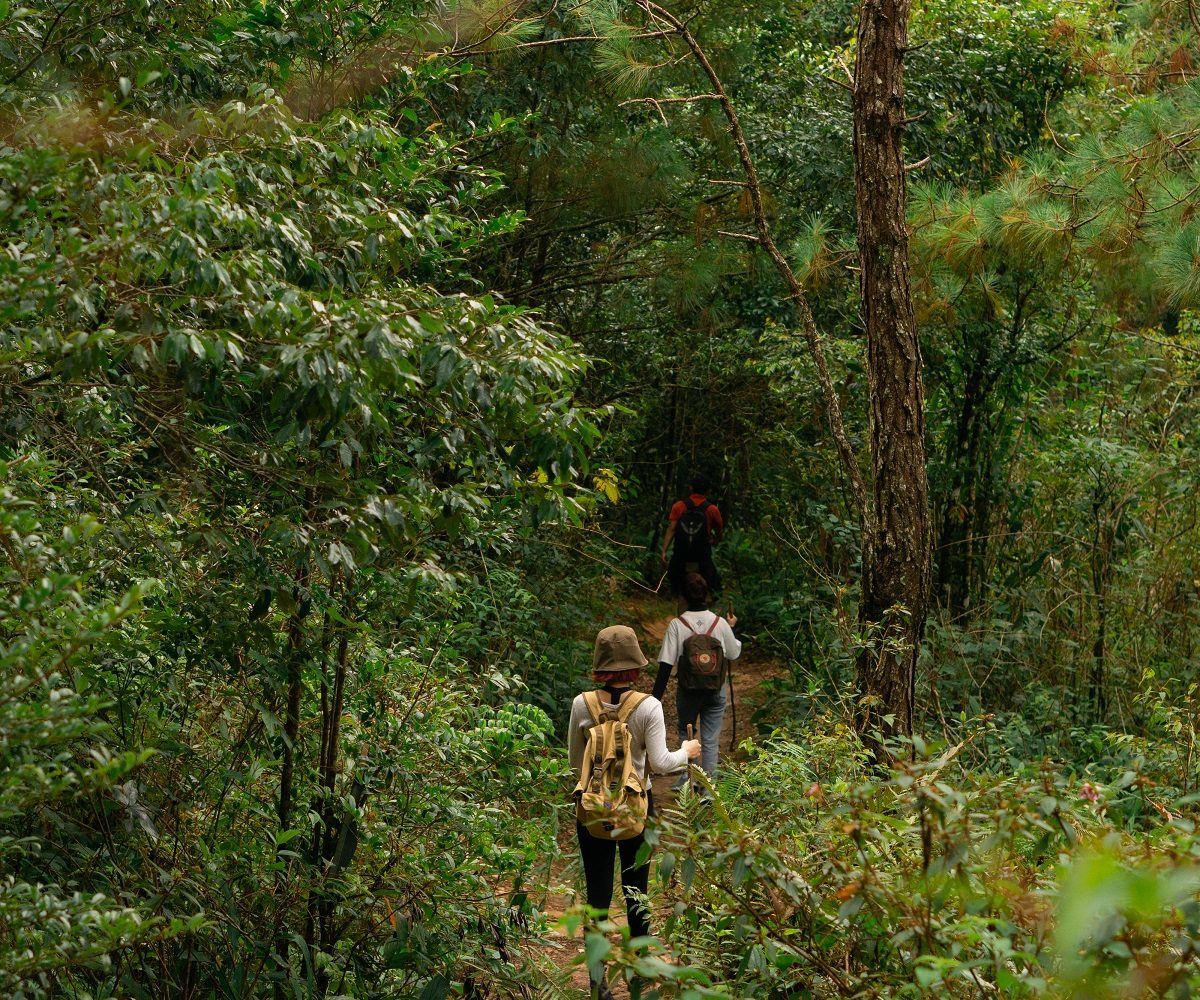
point(650, 615)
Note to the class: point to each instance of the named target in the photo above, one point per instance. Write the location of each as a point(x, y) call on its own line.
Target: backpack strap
point(629, 703)
point(715, 622)
point(686, 625)
point(592, 700)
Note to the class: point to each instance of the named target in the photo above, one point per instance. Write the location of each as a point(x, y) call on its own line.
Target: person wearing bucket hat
point(617, 663)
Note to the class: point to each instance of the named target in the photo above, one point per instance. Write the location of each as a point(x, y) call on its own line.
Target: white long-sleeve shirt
point(700, 621)
point(647, 728)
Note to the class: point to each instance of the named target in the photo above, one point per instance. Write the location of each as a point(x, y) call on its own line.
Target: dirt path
point(650, 617)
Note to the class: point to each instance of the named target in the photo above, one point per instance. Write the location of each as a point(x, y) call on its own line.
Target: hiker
point(617, 663)
point(696, 524)
point(700, 690)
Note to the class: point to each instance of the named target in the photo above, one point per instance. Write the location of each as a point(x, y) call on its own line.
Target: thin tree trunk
point(895, 565)
point(763, 238)
point(291, 736)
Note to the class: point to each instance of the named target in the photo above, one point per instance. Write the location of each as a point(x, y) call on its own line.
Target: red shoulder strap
point(686, 625)
point(715, 622)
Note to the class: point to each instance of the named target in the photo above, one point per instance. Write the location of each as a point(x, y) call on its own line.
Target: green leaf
point(596, 949)
point(438, 988)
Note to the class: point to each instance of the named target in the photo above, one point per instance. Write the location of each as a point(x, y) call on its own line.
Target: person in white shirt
point(709, 706)
point(617, 663)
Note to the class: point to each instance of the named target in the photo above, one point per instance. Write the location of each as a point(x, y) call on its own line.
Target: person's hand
point(662, 556)
point(732, 619)
point(691, 746)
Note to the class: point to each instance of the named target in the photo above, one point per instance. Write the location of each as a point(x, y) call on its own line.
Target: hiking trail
point(649, 616)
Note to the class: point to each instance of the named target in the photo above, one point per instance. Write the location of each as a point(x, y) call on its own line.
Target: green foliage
point(269, 313)
point(242, 329)
point(54, 762)
point(805, 875)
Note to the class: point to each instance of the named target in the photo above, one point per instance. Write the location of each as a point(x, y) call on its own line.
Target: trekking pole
point(732, 700)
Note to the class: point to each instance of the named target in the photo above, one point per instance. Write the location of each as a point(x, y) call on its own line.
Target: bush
point(808, 875)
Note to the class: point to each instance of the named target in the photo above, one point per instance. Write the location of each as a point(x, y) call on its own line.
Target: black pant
point(677, 569)
point(598, 856)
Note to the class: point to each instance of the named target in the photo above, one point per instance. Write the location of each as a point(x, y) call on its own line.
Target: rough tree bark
point(896, 557)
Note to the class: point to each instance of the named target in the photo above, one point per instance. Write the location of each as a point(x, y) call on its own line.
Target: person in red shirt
point(696, 525)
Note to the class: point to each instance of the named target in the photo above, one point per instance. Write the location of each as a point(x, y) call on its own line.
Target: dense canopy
point(352, 353)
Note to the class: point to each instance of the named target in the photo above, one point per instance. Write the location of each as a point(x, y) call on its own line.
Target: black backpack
point(691, 530)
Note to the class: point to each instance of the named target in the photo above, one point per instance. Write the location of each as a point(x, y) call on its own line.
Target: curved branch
point(764, 239)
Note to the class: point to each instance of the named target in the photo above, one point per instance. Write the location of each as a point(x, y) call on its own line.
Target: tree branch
point(764, 238)
point(748, 237)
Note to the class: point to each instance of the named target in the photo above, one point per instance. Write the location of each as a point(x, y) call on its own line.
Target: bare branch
point(916, 166)
point(808, 324)
point(671, 100)
point(565, 40)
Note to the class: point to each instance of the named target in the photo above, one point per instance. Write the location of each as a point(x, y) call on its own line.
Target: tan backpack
point(610, 798)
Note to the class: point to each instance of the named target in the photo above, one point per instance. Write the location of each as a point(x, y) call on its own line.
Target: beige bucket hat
point(617, 649)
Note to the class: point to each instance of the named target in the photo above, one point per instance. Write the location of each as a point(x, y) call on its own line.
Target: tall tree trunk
point(895, 564)
point(895, 518)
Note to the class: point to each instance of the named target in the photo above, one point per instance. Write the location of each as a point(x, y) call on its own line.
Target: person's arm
point(660, 759)
point(668, 656)
point(575, 739)
point(729, 642)
point(667, 539)
point(718, 523)
point(664, 675)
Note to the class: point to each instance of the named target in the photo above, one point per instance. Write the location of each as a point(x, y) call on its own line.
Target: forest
point(354, 355)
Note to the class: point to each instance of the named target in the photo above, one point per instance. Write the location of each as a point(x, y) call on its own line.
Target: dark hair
point(700, 482)
point(695, 590)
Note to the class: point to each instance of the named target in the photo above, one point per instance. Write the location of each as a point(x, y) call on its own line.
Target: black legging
point(598, 856)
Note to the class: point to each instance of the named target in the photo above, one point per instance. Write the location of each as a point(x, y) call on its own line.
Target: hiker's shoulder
point(647, 707)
